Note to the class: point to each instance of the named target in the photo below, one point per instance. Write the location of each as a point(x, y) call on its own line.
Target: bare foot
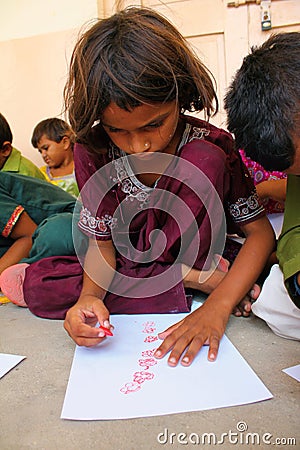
point(244, 307)
point(222, 264)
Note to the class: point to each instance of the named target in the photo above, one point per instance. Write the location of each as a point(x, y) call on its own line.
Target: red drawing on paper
point(148, 352)
point(130, 387)
point(140, 377)
point(148, 362)
point(149, 327)
point(151, 339)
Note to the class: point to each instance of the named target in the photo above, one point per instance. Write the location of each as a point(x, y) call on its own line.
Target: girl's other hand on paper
point(205, 326)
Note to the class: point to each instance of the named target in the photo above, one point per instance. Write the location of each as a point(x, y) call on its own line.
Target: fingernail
point(106, 323)
point(212, 357)
point(172, 360)
point(186, 360)
point(157, 353)
point(101, 334)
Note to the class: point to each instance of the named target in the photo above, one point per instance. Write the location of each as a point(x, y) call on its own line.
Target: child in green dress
point(35, 222)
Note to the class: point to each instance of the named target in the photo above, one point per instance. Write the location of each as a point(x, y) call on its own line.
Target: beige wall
point(36, 40)
point(24, 18)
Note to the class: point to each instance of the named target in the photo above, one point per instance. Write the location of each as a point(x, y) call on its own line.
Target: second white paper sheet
point(8, 362)
point(121, 379)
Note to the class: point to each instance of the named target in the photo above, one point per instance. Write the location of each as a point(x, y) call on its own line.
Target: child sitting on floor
point(55, 139)
point(262, 104)
point(35, 223)
point(11, 159)
point(159, 188)
point(137, 146)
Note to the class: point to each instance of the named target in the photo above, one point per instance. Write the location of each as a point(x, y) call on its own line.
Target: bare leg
point(207, 281)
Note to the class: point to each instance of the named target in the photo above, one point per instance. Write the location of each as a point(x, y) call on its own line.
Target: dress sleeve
point(242, 202)
point(97, 196)
point(10, 212)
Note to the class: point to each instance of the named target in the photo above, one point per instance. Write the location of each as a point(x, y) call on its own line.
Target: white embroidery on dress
point(99, 226)
point(199, 133)
point(246, 208)
point(130, 185)
point(125, 177)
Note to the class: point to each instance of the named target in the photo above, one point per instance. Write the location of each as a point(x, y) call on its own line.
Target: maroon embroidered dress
point(185, 204)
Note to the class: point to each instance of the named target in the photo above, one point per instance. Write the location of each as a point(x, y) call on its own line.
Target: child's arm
point(22, 235)
point(207, 324)
point(274, 189)
point(81, 319)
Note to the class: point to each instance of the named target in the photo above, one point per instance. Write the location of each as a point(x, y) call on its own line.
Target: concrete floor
point(32, 394)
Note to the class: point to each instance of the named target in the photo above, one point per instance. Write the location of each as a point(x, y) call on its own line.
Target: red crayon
point(106, 330)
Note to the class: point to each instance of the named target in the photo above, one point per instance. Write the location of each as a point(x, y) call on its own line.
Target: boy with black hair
point(263, 107)
point(11, 159)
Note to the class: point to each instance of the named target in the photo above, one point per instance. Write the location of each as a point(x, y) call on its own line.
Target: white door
point(221, 31)
point(243, 26)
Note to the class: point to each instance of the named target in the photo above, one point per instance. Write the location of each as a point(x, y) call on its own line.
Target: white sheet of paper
point(8, 362)
point(276, 221)
point(120, 379)
point(293, 372)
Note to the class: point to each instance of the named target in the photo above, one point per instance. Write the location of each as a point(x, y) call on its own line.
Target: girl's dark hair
point(55, 129)
point(5, 131)
point(263, 101)
point(134, 57)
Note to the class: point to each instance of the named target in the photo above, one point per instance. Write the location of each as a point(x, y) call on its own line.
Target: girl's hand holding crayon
point(81, 320)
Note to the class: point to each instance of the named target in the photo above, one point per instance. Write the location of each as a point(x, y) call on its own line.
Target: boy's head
point(263, 103)
point(54, 139)
point(5, 140)
point(53, 129)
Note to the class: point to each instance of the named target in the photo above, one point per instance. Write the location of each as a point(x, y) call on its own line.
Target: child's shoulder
point(202, 135)
point(207, 128)
point(18, 163)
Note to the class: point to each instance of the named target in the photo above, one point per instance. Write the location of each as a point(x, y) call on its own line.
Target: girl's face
point(144, 129)
point(54, 153)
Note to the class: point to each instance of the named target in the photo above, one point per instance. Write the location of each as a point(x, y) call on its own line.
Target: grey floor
point(32, 395)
